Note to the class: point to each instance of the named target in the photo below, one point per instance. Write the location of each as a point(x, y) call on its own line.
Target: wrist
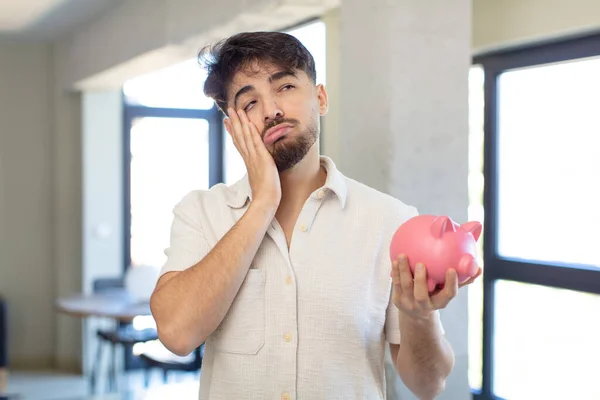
point(428, 321)
point(268, 208)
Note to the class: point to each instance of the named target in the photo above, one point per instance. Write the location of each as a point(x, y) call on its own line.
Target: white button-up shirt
point(310, 321)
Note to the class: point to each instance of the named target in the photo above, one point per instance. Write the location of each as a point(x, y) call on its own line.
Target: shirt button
point(321, 193)
point(288, 280)
point(303, 228)
point(285, 396)
point(287, 337)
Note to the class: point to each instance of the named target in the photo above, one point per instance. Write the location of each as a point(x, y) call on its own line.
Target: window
point(171, 148)
point(173, 145)
point(534, 312)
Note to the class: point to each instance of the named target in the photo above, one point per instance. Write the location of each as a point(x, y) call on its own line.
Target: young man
point(285, 275)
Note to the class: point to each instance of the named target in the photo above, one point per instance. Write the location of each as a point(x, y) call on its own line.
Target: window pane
point(549, 163)
point(179, 86)
point(169, 158)
point(476, 213)
point(545, 343)
point(313, 37)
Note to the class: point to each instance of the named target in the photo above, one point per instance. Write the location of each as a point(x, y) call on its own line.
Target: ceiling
point(48, 19)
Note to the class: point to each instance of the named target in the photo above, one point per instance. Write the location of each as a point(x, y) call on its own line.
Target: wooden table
point(114, 303)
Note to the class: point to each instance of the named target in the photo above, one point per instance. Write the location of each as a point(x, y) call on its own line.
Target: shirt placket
point(284, 293)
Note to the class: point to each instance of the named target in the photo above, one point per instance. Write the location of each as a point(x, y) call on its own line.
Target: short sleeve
point(392, 320)
point(188, 244)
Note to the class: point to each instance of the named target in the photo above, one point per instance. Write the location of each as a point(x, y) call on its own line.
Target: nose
point(272, 111)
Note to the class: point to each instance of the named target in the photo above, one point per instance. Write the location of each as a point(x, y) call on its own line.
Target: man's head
point(272, 77)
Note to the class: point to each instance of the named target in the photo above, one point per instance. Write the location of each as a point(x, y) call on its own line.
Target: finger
point(247, 135)
point(471, 279)
point(229, 128)
point(395, 273)
point(257, 138)
point(443, 298)
point(421, 291)
point(396, 281)
point(406, 277)
point(236, 129)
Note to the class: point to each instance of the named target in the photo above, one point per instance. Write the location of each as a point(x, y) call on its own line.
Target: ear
point(322, 97)
point(474, 227)
point(441, 225)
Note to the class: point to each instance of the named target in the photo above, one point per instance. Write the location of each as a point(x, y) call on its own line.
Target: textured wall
point(404, 121)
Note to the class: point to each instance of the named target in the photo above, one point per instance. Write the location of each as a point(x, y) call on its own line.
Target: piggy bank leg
point(467, 267)
point(430, 285)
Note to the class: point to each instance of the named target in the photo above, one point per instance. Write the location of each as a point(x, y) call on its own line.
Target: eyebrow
point(275, 77)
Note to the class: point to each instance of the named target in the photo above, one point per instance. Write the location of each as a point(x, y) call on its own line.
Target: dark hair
point(224, 59)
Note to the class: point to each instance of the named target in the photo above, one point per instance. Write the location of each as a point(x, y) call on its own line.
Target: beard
point(289, 151)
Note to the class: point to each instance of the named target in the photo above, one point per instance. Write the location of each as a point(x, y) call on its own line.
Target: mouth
point(276, 133)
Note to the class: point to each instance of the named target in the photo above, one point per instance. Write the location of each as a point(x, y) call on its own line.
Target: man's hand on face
point(262, 172)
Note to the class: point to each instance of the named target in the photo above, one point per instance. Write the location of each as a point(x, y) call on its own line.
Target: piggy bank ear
point(474, 227)
point(440, 226)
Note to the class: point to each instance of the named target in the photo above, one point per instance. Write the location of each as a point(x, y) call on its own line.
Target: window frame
point(216, 154)
point(563, 276)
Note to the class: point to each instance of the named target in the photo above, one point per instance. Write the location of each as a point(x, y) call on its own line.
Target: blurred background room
point(481, 110)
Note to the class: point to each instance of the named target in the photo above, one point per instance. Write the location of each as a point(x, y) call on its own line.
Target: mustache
point(278, 121)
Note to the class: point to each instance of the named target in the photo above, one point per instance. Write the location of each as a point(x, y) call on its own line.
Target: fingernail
point(419, 267)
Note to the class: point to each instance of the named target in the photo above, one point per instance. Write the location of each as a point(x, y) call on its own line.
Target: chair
point(122, 334)
point(168, 362)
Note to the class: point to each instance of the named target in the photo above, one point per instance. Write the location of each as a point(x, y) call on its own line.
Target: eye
point(287, 87)
point(249, 106)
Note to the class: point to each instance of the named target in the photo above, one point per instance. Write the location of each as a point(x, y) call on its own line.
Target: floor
point(49, 385)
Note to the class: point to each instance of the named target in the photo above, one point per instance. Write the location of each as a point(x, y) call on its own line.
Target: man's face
point(284, 107)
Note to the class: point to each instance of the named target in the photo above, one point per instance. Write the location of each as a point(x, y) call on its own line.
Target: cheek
point(255, 117)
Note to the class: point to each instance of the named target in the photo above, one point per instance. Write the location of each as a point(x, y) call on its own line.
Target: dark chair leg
point(147, 377)
point(96, 368)
point(112, 371)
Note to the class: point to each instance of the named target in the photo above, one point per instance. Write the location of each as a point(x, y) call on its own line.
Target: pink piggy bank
point(440, 244)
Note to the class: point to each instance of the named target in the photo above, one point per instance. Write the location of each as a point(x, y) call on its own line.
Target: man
point(285, 275)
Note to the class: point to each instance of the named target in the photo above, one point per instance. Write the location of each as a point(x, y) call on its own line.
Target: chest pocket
point(242, 331)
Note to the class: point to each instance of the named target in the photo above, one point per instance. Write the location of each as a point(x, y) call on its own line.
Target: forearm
point(189, 307)
point(424, 358)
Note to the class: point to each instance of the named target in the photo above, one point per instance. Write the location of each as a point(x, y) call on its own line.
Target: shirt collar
point(240, 192)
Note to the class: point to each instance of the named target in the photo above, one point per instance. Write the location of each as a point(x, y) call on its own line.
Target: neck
point(301, 180)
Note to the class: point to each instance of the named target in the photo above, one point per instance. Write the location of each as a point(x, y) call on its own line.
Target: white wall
point(330, 138)
point(67, 239)
point(102, 232)
point(149, 34)
point(26, 201)
point(498, 24)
